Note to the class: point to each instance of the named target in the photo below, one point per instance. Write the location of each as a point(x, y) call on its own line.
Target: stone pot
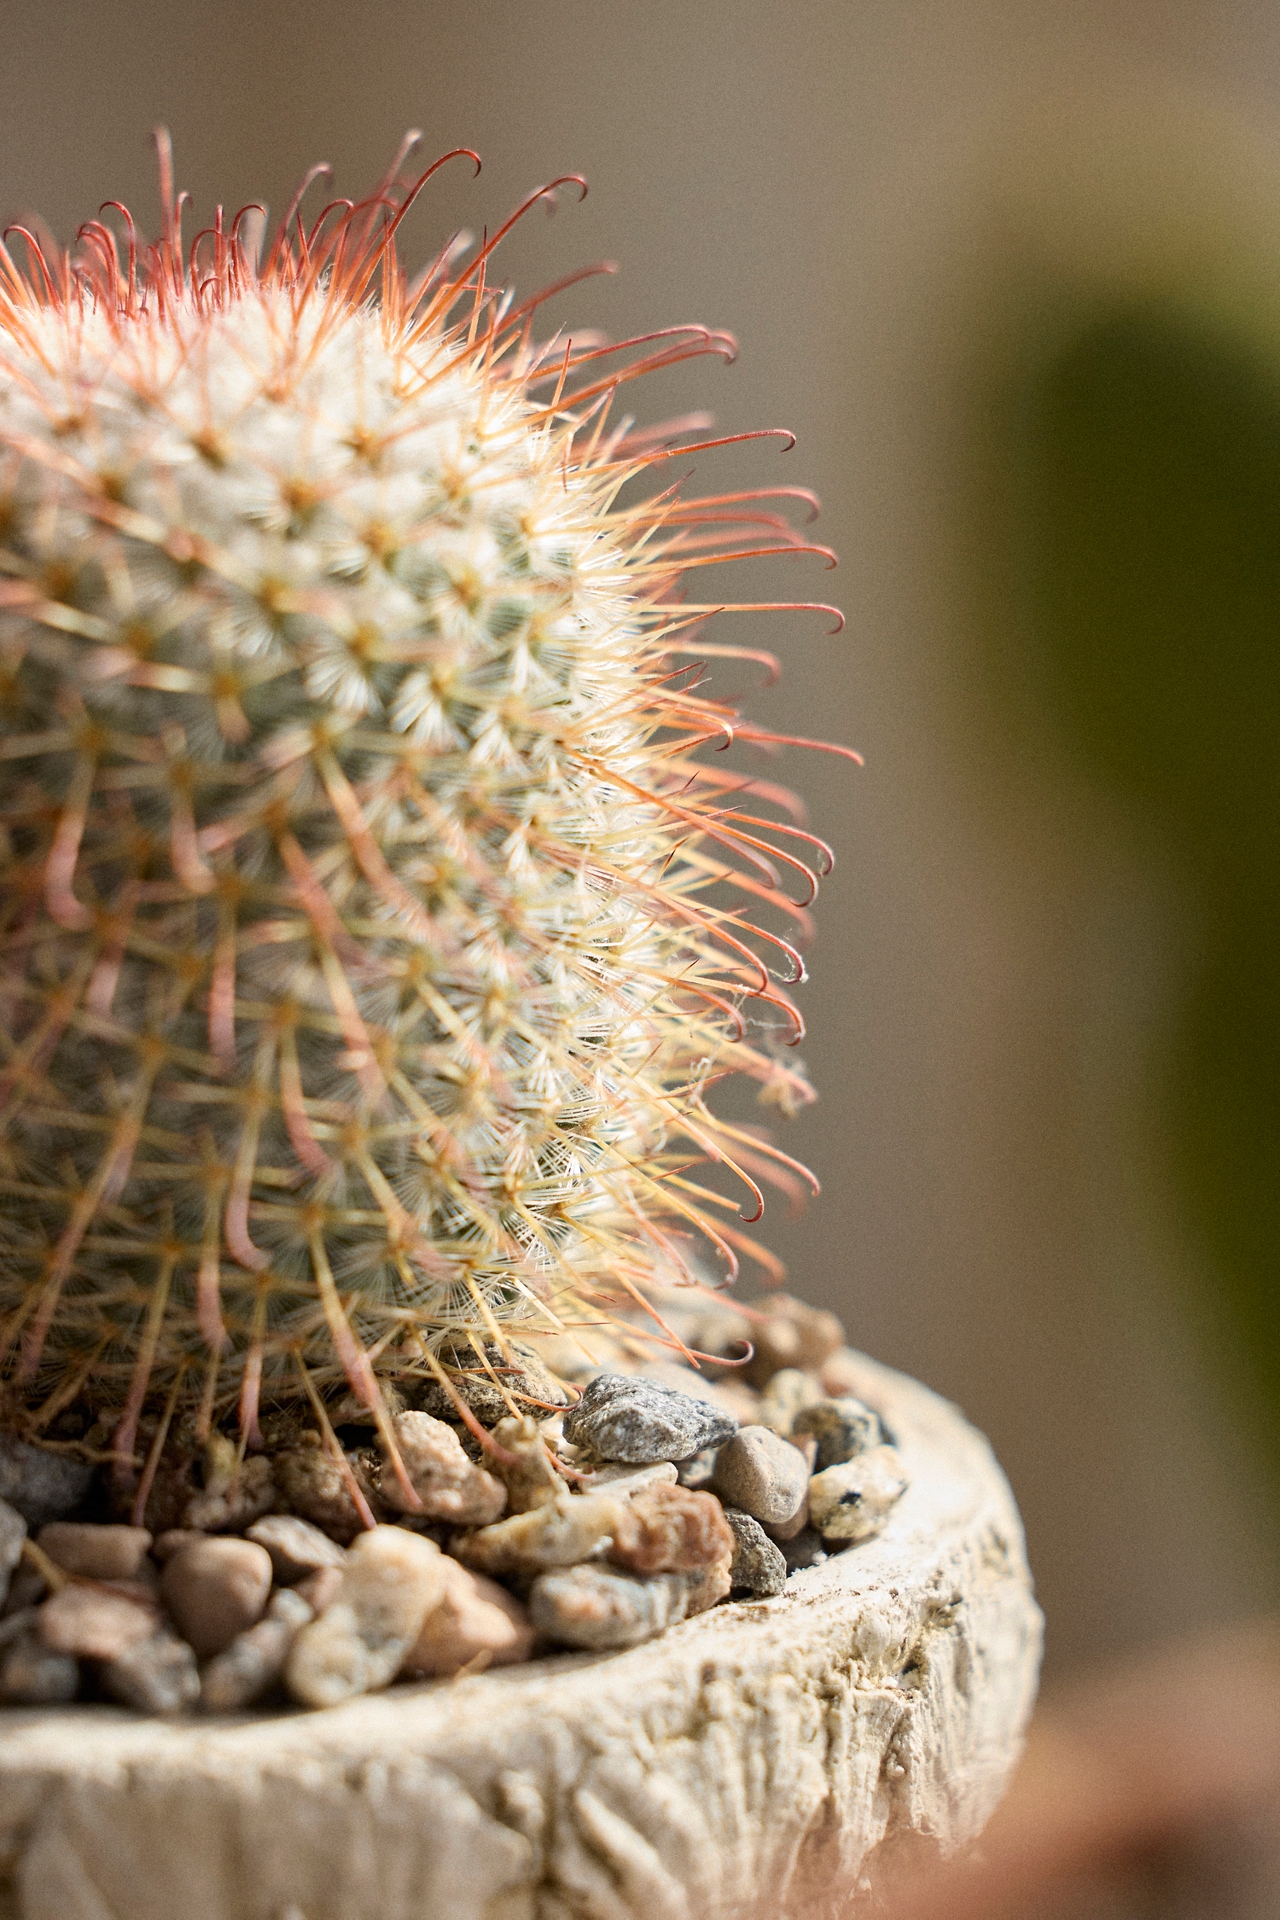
point(750, 1762)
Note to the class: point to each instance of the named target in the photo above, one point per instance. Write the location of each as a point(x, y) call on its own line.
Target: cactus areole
point(376, 908)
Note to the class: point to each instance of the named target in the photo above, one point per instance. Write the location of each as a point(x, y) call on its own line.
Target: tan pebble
point(92, 1623)
point(791, 1334)
point(235, 1501)
point(531, 1480)
point(784, 1530)
point(391, 1581)
point(762, 1474)
point(255, 1659)
point(449, 1485)
point(475, 1619)
point(319, 1588)
point(671, 1530)
point(624, 1481)
point(852, 1501)
point(156, 1675)
point(709, 1585)
point(32, 1675)
point(560, 1534)
point(296, 1546)
point(98, 1553)
point(788, 1393)
point(214, 1589)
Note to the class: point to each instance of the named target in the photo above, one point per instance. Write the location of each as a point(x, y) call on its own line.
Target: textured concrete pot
point(748, 1762)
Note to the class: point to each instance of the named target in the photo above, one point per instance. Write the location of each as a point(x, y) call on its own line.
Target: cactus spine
point(371, 930)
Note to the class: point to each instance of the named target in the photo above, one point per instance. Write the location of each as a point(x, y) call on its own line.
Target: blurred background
point(1011, 272)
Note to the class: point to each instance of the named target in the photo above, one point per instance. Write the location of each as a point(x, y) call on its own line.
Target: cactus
point(372, 929)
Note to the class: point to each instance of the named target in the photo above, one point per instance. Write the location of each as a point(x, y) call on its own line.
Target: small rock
point(392, 1580)
point(95, 1552)
point(842, 1428)
point(762, 1475)
point(526, 1381)
point(41, 1485)
point(786, 1395)
point(707, 1585)
point(807, 1549)
point(758, 1565)
point(791, 1334)
point(671, 1530)
point(236, 1491)
point(621, 1417)
point(93, 1623)
point(561, 1534)
point(255, 1660)
point(449, 1486)
point(172, 1541)
point(312, 1484)
point(156, 1675)
point(784, 1530)
point(532, 1481)
point(320, 1588)
point(593, 1608)
point(33, 1675)
point(727, 1394)
point(13, 1531)
point(296, 1547)
point(853, 1501)
point(215, 1589)
point(474, 1619)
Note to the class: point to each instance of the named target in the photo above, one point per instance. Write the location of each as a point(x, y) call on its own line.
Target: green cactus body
point(370, 932)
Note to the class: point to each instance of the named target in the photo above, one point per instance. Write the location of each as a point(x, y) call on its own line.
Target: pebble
point(392, 1580)
point(792, 1334)
point(842, 1428)
point(320, 1588)
point(475, 1619)
point(41, 1485)
point(33, 1675)
point(531, 1481)
point(671, 1530)
point(93, 1623)
point(784, 1530)
point(95, 1552)
point(853, 1501)
point(215, 1589)
point(172, 1541)
point(13, 1531)
point(449, 1486)
point(519, 1368)
point(786, 1395)
point(599, 1611)
point(312, 1484)
point(727, 1395)
point(758, 1565)
point(236, 1491)
point(708, 1585)
point(156, 1675)
point(296, 1547)
point(762, 1475)
point(255, 1660)
point(564, 1532)
point(624, 1481)
point(623, 1417)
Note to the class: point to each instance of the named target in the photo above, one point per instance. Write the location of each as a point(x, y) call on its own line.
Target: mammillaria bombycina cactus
point(375, 913)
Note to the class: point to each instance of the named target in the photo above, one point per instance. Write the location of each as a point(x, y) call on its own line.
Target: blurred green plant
point(1140, 485)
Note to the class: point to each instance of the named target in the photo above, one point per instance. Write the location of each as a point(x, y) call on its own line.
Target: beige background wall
point(994, 956)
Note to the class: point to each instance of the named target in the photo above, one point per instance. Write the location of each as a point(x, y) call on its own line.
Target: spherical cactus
point(372, 929)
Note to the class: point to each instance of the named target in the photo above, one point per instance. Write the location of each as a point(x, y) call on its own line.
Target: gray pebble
point(763, 1475)
point(842, 1428)
point(41, 1485)
point(215, 1589)
point(296, 1547)
point(758, 1564)
point(32, 1675)
point(157, 1675)
point(591, 1608)
point(13, 1531)
point(852, 1501)
point(255, 1660)
point(620, 1417)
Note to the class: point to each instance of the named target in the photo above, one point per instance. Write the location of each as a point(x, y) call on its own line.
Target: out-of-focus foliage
point(1140, 475)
